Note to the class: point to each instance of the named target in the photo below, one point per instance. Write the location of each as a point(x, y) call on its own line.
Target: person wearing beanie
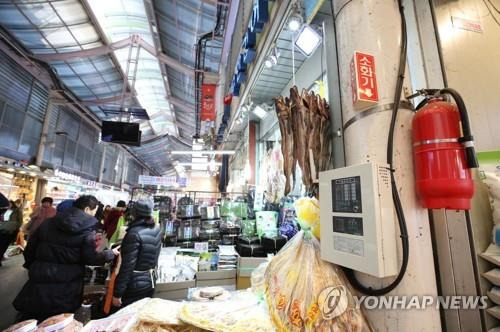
point(55, 257)
point(140, 249)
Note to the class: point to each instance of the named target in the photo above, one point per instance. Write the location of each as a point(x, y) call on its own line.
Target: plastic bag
point(493, 182)
point(307, 210)
point(304, 293)
point(257, 279)
point(243, 312)
point(248, 228)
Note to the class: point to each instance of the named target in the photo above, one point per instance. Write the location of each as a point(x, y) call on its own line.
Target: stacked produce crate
point(210, 226)
point(232, 216)
point(189, 219)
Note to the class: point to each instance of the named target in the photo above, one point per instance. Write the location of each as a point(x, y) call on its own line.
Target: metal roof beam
point(182, 105)
point(215, 2)
point(107, 101)
point(106, 49)
point(91, 52)
point(43, 76)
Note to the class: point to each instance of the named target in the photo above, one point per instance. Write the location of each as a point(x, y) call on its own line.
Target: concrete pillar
point(45, 133)
point(101, 166)
point(252, 150)
point(374, 27)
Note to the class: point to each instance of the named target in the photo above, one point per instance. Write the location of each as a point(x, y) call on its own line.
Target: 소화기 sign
point(363, 80)
point(208, 102)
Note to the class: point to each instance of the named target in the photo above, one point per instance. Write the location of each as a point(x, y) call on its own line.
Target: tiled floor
point(12, 278)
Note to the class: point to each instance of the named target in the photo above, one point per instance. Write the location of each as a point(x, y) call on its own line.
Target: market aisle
point(12, 278)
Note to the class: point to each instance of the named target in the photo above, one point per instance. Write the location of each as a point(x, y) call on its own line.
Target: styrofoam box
point(216, 282)
point(174, 290)
point(216, 275)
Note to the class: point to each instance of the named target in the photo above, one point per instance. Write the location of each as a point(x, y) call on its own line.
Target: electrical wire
point(398, 207)
point(494, 7)
point(491, 13)
point(343, 6)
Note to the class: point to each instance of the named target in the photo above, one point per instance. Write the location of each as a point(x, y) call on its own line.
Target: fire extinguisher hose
point(467, 139)
point(395, 194)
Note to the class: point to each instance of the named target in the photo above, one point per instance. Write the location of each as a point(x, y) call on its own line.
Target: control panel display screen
point(348, 225)
point(346, 195)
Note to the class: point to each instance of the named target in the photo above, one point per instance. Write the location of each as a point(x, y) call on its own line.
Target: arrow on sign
point(368, 92)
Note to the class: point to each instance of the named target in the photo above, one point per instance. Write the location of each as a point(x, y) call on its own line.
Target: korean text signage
point(208, 102)
point(66, 176)
point(363, 80)
point(157, 180)
point(466, 24)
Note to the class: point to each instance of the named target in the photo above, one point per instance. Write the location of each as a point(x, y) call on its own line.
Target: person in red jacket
point(111, 220)
point(41, 213)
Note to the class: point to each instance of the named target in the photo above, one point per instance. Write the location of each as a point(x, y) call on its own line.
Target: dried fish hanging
point(304, 122)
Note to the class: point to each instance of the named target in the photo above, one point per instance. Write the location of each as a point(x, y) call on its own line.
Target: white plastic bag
point(492, 181)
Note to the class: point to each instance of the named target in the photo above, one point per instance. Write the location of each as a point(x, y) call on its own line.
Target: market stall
point(64, 185)
point(20, 184)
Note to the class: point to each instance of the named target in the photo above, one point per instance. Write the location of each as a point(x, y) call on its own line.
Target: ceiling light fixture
point(295, 22)
point(260, 112)
point(296, 19)
point(268, 63)
point(308, 40)
point(272, 58)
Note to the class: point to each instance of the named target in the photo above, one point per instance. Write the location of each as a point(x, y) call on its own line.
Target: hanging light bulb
point(268, 63)
point(295, 22)
point(272, 59)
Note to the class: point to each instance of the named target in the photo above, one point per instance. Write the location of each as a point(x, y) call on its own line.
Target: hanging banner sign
point(182, 182)
point(66, 176)
point(208, 102)
point(363, 80)
point(157, 180)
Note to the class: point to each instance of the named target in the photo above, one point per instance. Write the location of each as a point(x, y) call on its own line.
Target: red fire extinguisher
point(443, 154)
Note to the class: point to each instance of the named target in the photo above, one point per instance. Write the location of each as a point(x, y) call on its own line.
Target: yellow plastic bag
point(304, 293)
point(307, 210)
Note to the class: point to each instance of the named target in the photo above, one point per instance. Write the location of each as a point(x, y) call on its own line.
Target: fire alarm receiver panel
point(357, 219)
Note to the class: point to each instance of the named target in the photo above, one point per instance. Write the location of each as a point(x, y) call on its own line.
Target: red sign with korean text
point(208, 102)
point(363, 80)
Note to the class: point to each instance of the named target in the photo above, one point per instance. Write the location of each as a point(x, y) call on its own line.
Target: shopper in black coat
point(56, 256)
point(139, 251)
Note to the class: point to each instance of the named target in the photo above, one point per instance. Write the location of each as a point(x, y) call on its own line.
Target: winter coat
point(14, 223)
point(56, 256)
point(139, 250)
point(111, 221)
point(39, 216)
